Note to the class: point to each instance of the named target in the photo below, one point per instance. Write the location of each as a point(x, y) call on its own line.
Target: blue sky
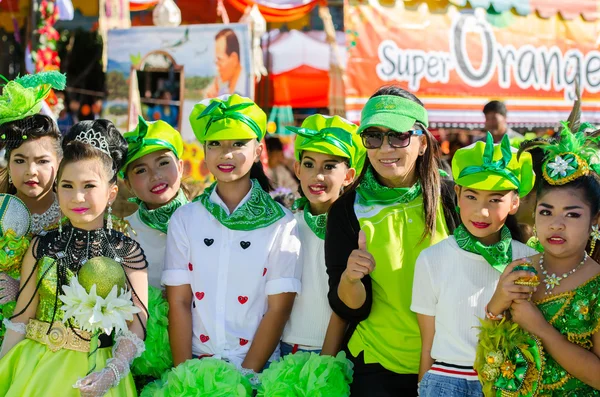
point(197, 54)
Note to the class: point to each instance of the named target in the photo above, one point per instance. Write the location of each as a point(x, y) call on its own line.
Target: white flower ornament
point(559, 167)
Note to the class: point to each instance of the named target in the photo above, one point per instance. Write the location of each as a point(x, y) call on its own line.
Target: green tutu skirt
point(31, 369)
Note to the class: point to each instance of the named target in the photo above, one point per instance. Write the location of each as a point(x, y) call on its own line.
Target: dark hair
point(232, 43)
point(33, 127)
point(273, 144)
point(257, 172)
point(495, 107)
point(75, 150)
point(427, 166)
point(589, 185)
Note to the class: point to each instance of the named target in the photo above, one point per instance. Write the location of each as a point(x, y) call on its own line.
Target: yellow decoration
point(508, 369)
point(490, 373)
point(104, 272)
point(271, 127)
point(495, 359)
point(582, 169)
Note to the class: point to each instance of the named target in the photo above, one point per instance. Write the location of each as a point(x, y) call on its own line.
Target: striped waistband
point(454, 371)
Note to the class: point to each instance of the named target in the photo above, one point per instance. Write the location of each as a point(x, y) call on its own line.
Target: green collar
point(259, 211)
point(316, 223)
point(158, 219)
point(371, 192)
point(498, 255)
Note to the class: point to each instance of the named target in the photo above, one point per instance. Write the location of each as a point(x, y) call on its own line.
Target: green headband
point(393, 112)
point(220, 110)
point(334, 136)
point(496, 167)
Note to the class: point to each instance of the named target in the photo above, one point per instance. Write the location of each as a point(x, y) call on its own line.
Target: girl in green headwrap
point(455, 279)
point(328, 155)
point(231, 262)
point(153, 171)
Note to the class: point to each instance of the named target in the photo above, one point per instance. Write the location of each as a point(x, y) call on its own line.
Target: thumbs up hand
point(360, 261)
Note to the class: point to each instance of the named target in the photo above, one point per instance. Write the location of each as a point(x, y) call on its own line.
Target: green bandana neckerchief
point(258, 212)
point(371, 192)
point(317, 223)
point(158, 219)
point(498, 255)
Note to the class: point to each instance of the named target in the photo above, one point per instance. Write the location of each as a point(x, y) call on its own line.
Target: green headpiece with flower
point(23, 96)
point(574, 154)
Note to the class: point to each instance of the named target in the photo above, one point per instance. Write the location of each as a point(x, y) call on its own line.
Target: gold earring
point(595, 235)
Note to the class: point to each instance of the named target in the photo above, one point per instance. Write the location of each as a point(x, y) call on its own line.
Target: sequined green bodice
point(576, 314)
point(47, 274)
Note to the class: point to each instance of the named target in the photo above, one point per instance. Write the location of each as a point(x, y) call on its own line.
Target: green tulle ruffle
point(307, 374)
point(157, 358)
point(200, 377)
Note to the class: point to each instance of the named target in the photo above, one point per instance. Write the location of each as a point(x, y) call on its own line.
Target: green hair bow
point(138, 141)
point(489, 165)
point(218, 110)
point(334, 136)
point(23, 96)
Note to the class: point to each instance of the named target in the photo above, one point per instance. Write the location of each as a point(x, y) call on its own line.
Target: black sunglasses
point(373, 139)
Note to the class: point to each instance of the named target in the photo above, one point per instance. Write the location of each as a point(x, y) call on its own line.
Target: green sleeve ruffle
point(307, 374)
point(157, 357)
point(200, 377)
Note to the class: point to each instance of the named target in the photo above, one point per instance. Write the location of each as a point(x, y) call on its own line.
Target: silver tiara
point(95, 139)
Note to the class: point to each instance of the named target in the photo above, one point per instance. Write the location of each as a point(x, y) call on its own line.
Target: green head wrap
point(330, 135)
point(228, 117)
point(485, 166)
point(150, 137)
point(23, 96)
point(393, 112)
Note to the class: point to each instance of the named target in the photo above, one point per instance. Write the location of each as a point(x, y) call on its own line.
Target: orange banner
point(456, 60)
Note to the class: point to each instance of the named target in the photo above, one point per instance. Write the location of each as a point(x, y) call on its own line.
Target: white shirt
point(153, 242)
point(311, 313)
point(454, 286)
point(231, 273)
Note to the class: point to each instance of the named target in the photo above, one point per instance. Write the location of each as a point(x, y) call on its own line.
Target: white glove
point(127, 348)
point(9, 288)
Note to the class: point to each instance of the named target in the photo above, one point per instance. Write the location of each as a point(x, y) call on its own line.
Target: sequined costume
point(576, 314)
point(53, 355)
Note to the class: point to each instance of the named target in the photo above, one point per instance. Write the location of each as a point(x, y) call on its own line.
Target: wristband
point(492, 316)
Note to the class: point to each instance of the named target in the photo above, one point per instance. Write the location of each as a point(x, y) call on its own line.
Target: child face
point(231, 160)
point(323, 176)
point(483, 212)
point(563, 222)
point(33, 167)
point(84, 192)
point(155, 178)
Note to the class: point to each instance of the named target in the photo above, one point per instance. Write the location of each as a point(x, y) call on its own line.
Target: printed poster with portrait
point(162, 72)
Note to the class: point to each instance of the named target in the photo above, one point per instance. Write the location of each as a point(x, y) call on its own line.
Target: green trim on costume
point(371, 192)
point(498, 255)
point(258, 212)
point(316, 223)
point(158, 218)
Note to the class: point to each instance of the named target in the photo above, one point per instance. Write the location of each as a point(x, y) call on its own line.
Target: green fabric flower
point(307, 374)
point(201, 377)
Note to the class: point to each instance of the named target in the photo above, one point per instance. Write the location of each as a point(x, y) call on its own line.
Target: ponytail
point(257, 172)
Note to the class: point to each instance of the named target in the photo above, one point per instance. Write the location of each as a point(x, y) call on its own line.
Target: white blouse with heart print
point(231, 273)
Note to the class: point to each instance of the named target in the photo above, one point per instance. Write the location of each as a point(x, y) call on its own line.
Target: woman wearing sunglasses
point(400, 205)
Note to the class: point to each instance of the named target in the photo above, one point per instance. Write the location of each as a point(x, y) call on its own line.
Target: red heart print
point(264, 271)
point(199, 295)
point(243, 342)
point(242, 299)
point(190, 266)
point(204, 338)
